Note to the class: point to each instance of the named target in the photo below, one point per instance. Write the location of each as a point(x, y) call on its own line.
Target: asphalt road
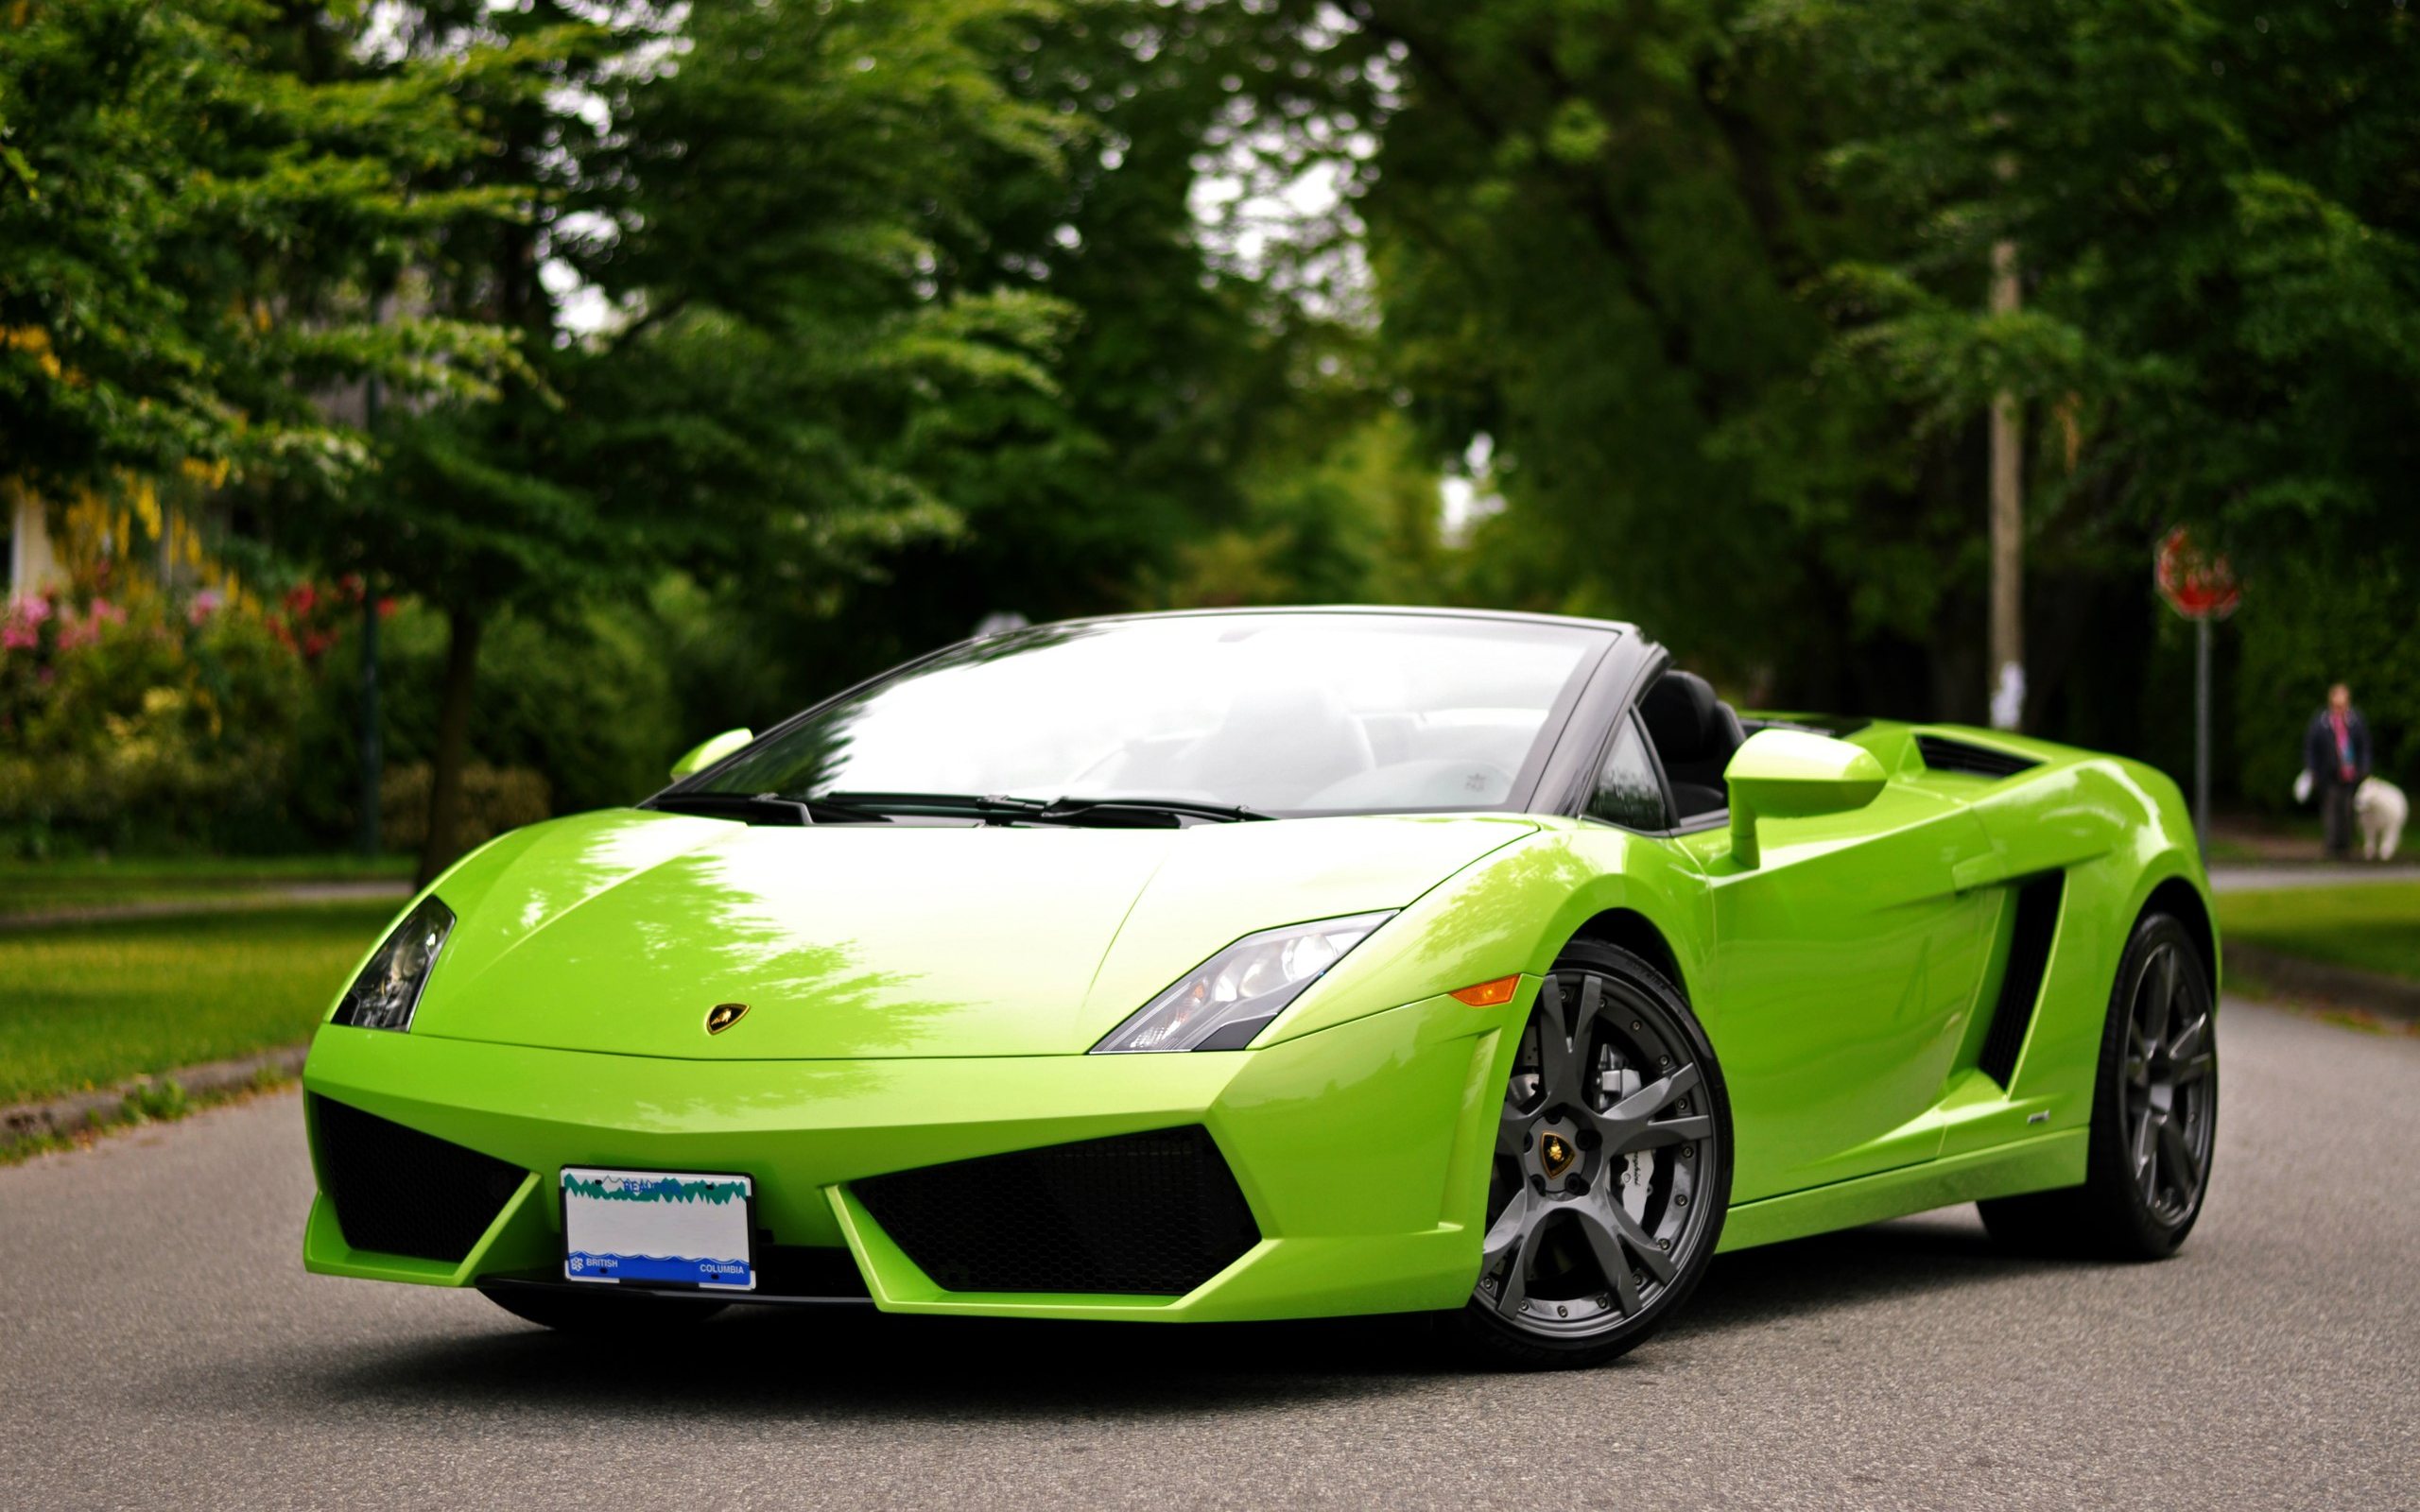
point(161, 1347)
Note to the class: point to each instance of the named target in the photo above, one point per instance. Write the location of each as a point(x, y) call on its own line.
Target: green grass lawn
point(2375, 926)
point(88, 1005)
point(34, 886)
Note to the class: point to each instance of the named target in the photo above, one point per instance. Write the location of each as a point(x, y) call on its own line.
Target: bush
point(121, 720)
point(495, 799)
point(588, 706)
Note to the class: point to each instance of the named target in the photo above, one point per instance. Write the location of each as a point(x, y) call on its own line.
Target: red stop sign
point(2196, 584)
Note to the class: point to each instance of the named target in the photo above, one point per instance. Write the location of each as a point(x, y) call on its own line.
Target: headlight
point(384, 995)
point(1228, 999)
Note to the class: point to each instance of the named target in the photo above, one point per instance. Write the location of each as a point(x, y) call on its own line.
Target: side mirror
point(707, 753)
point(1789, 774)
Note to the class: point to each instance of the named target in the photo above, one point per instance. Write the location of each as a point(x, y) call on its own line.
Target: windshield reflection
point(1277, 712)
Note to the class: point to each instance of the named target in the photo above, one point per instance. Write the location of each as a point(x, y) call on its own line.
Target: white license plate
point(655, 1226)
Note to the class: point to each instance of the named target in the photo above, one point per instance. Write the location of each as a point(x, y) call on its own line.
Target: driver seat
point(1694, 733)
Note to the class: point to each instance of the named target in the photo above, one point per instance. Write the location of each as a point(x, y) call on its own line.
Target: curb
point(2294, 976)
point(80, 1112)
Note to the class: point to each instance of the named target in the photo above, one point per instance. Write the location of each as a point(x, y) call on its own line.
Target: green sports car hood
point(617, 930)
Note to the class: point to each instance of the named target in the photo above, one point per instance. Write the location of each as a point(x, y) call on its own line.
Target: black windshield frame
point(1548, 752)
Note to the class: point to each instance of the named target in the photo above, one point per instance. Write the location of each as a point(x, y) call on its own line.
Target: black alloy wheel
point(2154, 1114)
point(1612, 1168)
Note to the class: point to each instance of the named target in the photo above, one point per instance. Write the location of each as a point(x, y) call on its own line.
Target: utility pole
point(367, 841)
point(2008, 518)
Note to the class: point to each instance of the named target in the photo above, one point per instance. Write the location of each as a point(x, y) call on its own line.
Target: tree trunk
point(462, 626)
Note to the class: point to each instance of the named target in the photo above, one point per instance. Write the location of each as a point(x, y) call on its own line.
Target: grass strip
point(91, 1005)
point(2368, 926)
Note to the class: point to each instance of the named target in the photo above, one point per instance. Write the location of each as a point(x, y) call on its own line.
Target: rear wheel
point(601, 1310)
point(1611, 1170)
point(2155, 1115)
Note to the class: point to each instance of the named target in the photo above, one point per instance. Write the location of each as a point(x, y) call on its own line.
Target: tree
point(1593, 229)
point(189, 223)
point(2215, 204)
point(752, 195)
point(1166, 394)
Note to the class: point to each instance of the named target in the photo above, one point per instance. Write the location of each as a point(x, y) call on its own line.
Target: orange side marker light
point(1490, 994)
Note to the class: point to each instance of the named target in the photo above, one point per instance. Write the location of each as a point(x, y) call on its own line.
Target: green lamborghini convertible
point(1267, 964)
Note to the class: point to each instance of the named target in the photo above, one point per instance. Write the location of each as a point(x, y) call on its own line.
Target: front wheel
point(2155, 1115)
point(1612, 1169)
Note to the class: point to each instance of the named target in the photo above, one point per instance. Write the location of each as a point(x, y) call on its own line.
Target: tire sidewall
point(2112, 1164)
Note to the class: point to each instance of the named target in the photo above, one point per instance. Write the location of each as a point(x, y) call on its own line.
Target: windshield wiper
point(991, 808)
point(765, 808)
point(1000, 809)
point(1116, 809)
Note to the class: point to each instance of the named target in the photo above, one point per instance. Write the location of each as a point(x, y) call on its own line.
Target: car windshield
point(1281, 713)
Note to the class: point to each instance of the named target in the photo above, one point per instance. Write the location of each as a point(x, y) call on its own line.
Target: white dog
point(2379, 806)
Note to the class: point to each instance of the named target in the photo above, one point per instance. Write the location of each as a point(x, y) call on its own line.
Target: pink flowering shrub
point(128, 719)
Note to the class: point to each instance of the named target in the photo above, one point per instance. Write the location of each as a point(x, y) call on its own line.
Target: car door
point(1847, 966)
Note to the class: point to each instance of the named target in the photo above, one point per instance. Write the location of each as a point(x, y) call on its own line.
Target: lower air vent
point(399, 1191)
point(1945, 755)
point(1154, 1214)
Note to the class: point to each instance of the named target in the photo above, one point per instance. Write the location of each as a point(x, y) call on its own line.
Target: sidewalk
point(237, 899)
point(2261, 875)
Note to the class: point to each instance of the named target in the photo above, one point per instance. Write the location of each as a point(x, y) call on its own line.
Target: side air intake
point(1150, 1215)
point(399, 1191)
point(2029, 957)
point(1943, 755)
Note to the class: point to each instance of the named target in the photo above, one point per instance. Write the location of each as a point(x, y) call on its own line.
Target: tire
point(1605, 1205)
point(602, 1310)
point(2155, 1115)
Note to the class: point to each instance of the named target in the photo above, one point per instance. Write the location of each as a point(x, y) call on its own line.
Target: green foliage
point(495, 799)
point(189, 221)
point(726, 354)
point(1592, 229)
point(583, 704)
point(2212, 201)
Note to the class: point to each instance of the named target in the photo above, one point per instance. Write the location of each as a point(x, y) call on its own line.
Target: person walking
point(2336, 752)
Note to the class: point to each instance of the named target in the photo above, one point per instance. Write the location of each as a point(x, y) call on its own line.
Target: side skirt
point(2036, 1164)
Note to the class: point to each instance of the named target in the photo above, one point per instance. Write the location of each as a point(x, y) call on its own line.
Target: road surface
point(161, 1347)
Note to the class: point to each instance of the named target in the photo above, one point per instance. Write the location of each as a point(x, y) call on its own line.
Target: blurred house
point(138, 529)
point(33, 566)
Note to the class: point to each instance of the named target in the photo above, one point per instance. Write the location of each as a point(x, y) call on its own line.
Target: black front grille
point(1155, 1214)
point(1945, 755)
point(399, 1191)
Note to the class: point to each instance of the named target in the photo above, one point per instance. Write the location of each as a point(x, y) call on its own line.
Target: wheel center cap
point(1556, 1155)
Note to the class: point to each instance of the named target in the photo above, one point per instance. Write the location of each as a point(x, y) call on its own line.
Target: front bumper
point(1363, 1150)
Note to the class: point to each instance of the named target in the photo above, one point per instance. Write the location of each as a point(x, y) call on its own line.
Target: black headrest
point(1684, 717)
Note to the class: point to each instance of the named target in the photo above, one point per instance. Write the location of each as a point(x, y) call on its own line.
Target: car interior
point(1694, 734)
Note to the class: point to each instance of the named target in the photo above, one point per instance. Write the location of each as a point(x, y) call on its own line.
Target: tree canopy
point(812, 331)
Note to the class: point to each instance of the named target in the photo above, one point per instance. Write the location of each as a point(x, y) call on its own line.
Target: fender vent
point(1943, 755)
point(2029, 957)
point(1154, 1214)
point(399, 1191)
point(1976, 761)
